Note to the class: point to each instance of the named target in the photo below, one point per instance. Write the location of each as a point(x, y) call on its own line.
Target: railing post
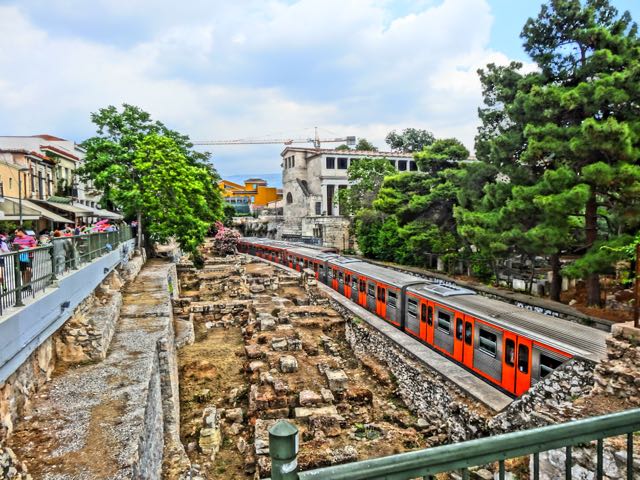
point(53, 262)
point(18, 279)
point(283, 450)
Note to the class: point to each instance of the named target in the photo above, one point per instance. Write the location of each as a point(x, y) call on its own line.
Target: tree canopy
point(410, 140)
point(150, 172)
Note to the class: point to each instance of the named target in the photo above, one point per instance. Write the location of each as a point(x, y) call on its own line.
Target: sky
point(217, 70)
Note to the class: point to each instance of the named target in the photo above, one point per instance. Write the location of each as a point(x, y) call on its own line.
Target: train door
point(334, 278)
point(509, 361)
point(316, 269)
point(299, 264)
point(340, 282)
point(290, 260)
point(362, 292)
point(347, 285)
point(381, 302)
point(458, 337)
point(523, 366)
point(467, 356)
point(429, 327)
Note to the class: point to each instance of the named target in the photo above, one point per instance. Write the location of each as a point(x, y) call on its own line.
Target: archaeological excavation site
point(176, 371)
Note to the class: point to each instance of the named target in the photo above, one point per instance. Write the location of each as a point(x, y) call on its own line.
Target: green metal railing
point(26, 272)
point(458, 457)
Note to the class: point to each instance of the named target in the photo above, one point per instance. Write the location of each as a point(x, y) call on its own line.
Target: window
point(331, 163)
point(413, 166)
point(343, 163)
point(402, 165)
point(293, 162)
point(488, 342)
point(459, 328)
point(371, 290)
point(430, 316)
point(523, 358)
point(362, 285)
point(340, 279)
point(509, 352)
point(355, 283)
point(468, 333)
point(318, 208)
point(412, 308)
point(330, 192)
point(347, 279)
point(381, 294)
point(444, 322)
point(393, 299)
point(354, 161)
point(393, 163)
point(548, 364)
point(423, 312)
point(289, 198)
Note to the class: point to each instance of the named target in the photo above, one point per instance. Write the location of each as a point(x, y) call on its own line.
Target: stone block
point(294, 344)
point(267, 324)
point(257, 365)
point(253, 351)
point(336, 379)
point(279, 344)
point(280, 386)
point(306, 412)
point(327, 396)
point(309, 398)
point(261, 436)
point(234, 415)
point(288, 364)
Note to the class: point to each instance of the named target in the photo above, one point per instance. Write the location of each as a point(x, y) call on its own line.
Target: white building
point(311, 179)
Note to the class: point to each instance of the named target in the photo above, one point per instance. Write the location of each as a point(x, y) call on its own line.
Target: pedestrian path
point(105, 420)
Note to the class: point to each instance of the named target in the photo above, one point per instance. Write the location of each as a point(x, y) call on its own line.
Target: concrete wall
point(23, 330)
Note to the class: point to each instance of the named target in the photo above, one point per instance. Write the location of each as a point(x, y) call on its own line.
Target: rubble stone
point(336, 379)
point(288, 364)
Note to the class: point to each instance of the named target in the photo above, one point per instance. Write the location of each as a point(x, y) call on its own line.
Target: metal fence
point(24, 273)
point(458, 457)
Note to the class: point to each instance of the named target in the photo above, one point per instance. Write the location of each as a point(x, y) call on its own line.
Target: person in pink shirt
point(22, 241)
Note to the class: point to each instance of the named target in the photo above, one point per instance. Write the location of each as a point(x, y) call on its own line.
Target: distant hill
point(273, 179)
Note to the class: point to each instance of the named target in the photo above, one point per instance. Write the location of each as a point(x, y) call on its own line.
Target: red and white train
point(508, 346)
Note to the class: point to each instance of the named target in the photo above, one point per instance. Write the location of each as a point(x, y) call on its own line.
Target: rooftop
point(312, 152)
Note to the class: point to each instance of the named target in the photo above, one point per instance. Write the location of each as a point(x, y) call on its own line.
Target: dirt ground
point(368, 419)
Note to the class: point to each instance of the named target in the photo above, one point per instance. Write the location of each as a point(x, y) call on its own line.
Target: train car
point(506, 345)
point(511, 347)
point(378, 289)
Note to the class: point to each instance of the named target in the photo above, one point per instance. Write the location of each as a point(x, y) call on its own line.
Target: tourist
point(22, 241)
point(62, 251)
point(4, 248)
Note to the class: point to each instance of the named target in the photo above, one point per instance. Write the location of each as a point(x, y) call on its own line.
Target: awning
point(98, 212)
point(75, 209)
point(48, 214)
point(11, 209)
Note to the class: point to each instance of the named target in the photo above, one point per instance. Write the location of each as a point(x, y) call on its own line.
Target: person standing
point(4, 248)
point(22, 241)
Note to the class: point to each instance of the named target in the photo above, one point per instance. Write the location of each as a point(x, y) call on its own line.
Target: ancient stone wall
point(84, 337)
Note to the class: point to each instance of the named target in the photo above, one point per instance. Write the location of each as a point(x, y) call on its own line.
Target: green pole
point(283, 449)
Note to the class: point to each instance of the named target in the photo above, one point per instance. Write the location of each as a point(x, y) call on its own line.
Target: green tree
point(171, 193)
point(365, 145)
point(410, 140)
point(584, 114)
point(343, 148)
point(111, 156)
point(365, 179)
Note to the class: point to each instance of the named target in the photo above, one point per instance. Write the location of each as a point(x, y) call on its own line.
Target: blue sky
point(256, 68)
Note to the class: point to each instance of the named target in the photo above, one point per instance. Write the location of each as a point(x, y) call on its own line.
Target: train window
point(444, 322)
point(355, 282)
point(381, 294)
point(393, 298)
point(430, 316)
point(548, 364)
point(459, 329)
point(371, 289)
point(509, 352)
point(412, 308)
point(347, 279)
point(488, 342)
point(363, 285)
point(523, 358)
point(423, 312)
point(340, 276)
point(468, 333)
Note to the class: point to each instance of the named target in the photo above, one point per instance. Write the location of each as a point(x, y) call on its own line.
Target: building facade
point(254, 195)
point(311, 180)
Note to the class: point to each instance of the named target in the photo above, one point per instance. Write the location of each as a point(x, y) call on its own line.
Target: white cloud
point(247, 69)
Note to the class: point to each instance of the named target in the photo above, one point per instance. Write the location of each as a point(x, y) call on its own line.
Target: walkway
point(102, 420)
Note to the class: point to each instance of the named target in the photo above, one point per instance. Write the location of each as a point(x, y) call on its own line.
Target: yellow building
point(254, 194)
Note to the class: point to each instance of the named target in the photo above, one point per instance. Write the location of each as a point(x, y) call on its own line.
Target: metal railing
point(24, 273)
point(458, 457)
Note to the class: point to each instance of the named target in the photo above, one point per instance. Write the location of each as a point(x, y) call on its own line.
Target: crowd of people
point(24, 240)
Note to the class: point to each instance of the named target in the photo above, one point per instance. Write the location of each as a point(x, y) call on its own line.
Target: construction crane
point(317, 141)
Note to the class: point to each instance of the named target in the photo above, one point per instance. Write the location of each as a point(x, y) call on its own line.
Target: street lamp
point(20, 170)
